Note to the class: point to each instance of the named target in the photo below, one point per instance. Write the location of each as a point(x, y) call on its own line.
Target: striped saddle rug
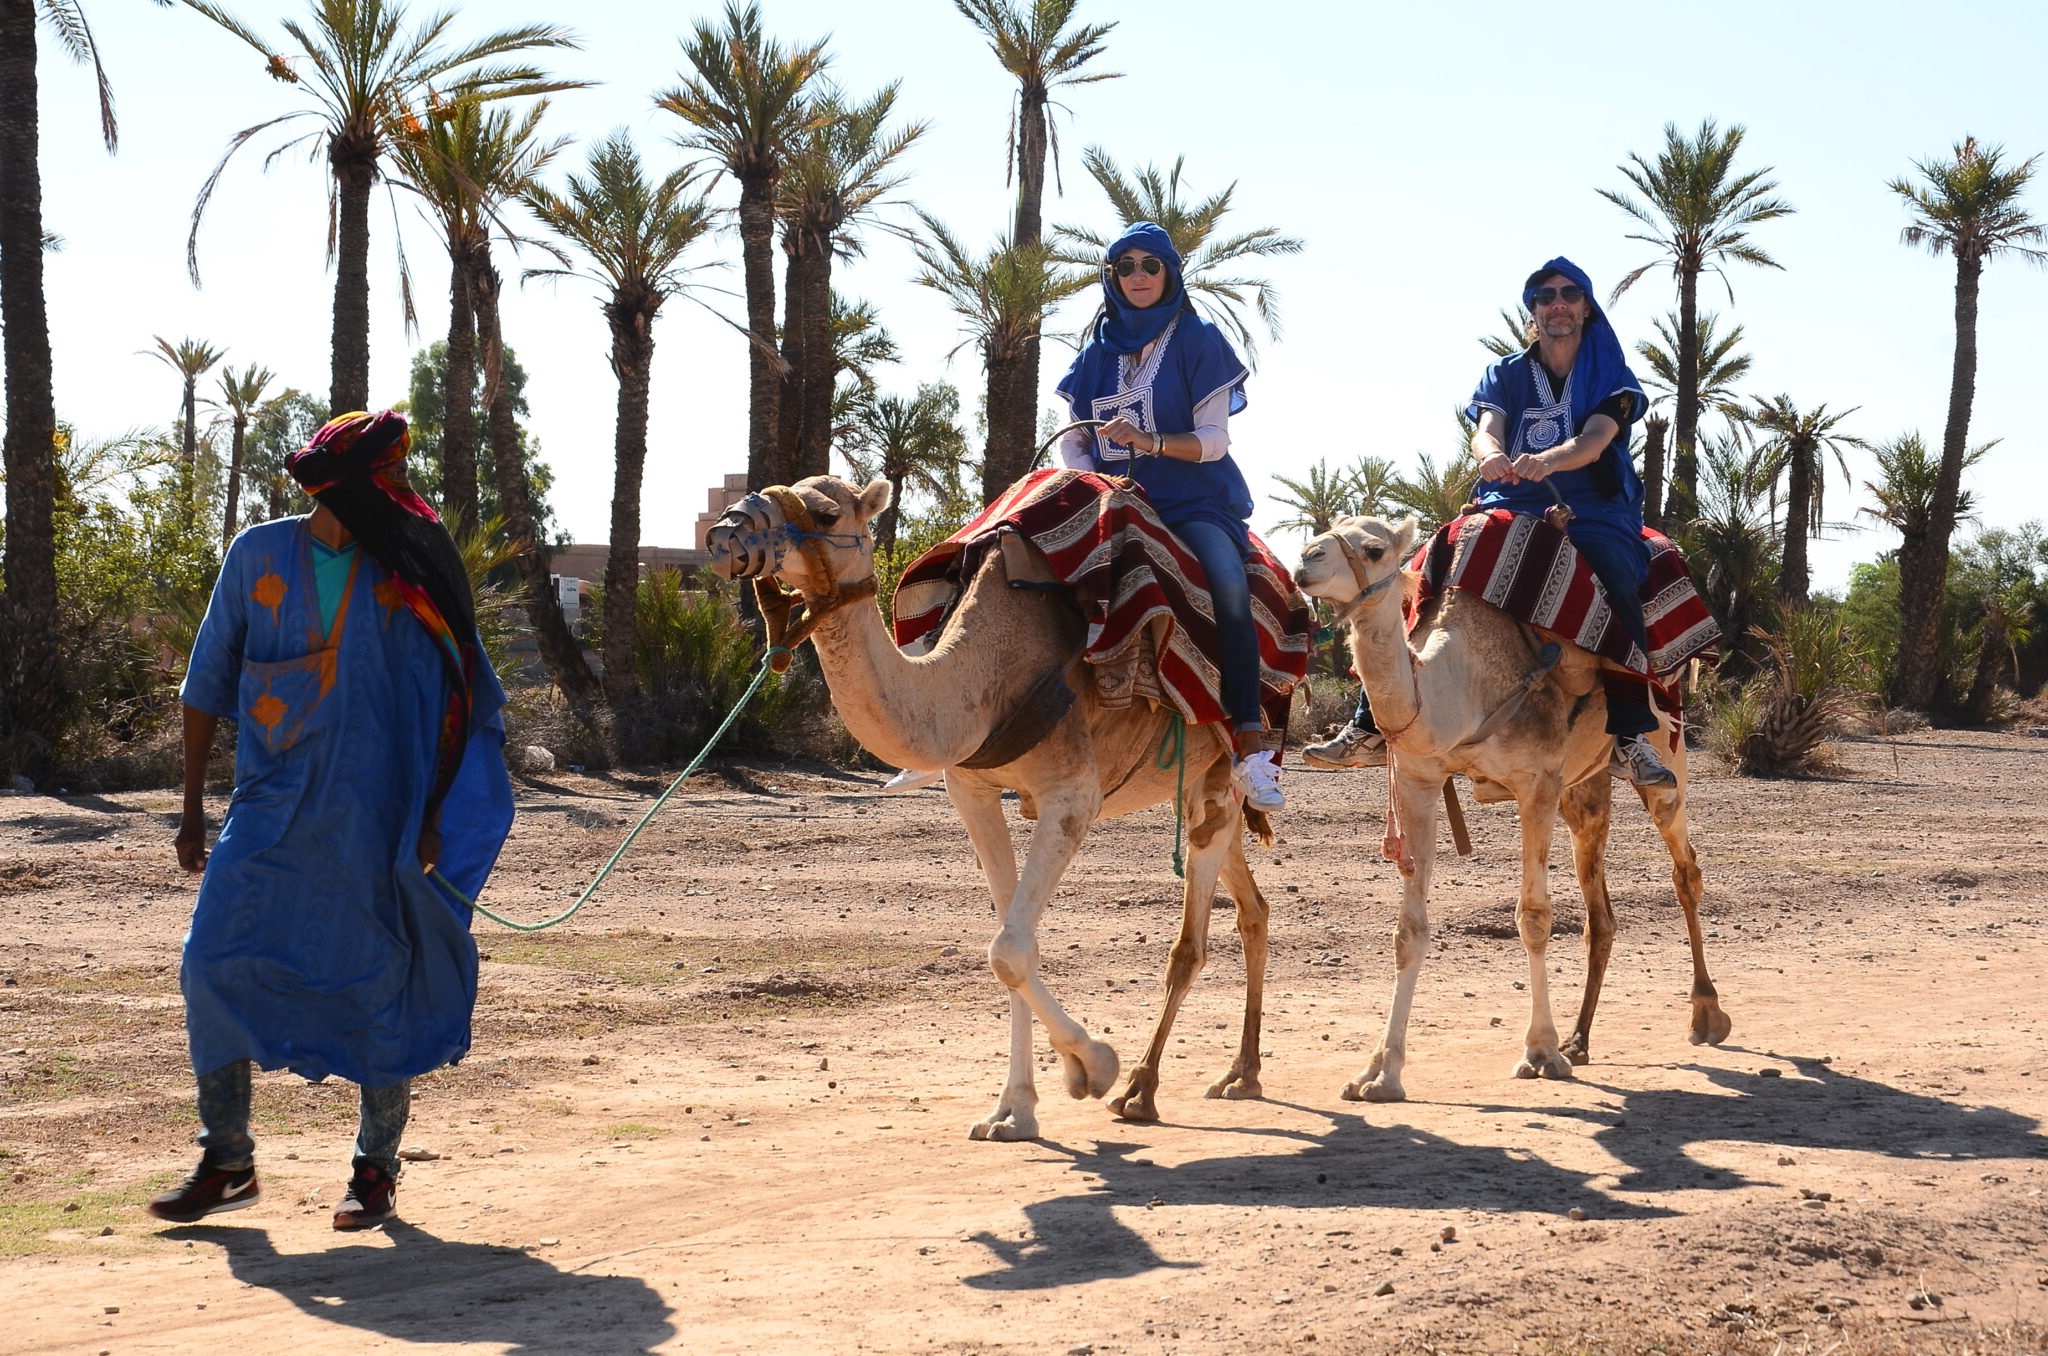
point(1151, 629)
point(1529, 570)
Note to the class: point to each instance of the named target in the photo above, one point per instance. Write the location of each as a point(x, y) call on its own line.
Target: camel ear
point(1404, 537)
point(874, 500)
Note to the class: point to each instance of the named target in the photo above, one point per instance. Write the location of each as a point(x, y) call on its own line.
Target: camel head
point(813, 535)
point(1354, 558)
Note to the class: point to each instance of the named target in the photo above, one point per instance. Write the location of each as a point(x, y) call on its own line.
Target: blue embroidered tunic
point(317, 943)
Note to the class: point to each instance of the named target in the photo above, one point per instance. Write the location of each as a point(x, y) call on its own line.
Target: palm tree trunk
point(1792, 572)
point(1682, 506)
point(633, 361)
point(31, 671)
point(558, 648)
point(353, 159)
point(789, 401)
point(1991, 659)
point(757, 243)
point(232, 513)
point(1655, 429)
point(814, 317)
point(1031, 155)
point(458, 420)
point(885, 526)
point(1004, 456)
point(1920, 592)
point(188, 453)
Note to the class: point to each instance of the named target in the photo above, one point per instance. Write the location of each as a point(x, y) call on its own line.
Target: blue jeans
point(1222, 556)
point(224, 1115)
point(1621, 568)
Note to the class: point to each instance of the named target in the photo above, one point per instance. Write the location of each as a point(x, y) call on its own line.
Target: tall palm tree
point(1733, 537)
point(633, 234)
point(1004, 296)
point(241, 395)
point(32, 685)
point(913, 440)
point(1719, 368)
point(458, 160)
point(839, 171)
point(1325, 496)
point(1967, 207)
point(1034, 44)
point(363, 72)
point(1699, 212)
point(1149, 195)
point(1800, 439)
point(743, 103)
point(191, 359)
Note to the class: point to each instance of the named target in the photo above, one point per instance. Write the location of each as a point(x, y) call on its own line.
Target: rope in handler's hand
point(760, 674)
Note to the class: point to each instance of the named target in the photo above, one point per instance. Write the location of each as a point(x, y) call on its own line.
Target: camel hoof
point(1536, 1064)
point(1091, 1073)
point(1375, 1090)
point(1710, 1026)
point(1008, 1130)
point(1238, 1089)
point(1578, 1053)
point(1134, 1106)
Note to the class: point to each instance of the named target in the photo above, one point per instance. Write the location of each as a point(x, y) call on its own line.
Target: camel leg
point(981, 811)
point(1090, 1065)
point(1217, 828)
point(1709, 1025)
point(1586, 810)
point(1538, 809)
point(1381, 1080)
point(1243, 1079)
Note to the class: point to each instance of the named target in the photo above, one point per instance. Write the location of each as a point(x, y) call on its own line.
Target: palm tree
point(633, 233)
point(1513, 335)
point(1151, 196)
point(1969, 208)
point(1372, 484)
point(32, 685)
point(1720, 367)
point(839, 171)
point(1004, 296)
point(191, 359)
point(241, 395)
point(451, 159)
point(913, 440)
point(744, 102)
point(1733, 535)
point(1799, 439)
point(1437, 493)
point(364, 74)
point(1326, 495)
point(1699, 213)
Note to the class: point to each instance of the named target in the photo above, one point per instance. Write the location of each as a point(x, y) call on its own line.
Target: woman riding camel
point(1167, 382)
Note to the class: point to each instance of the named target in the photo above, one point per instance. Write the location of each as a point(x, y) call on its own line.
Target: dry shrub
point(1322, 706)
point(1815, 679)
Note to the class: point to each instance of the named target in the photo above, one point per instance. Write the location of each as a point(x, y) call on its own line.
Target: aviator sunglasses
point(1543, 296)
point(1124, 267)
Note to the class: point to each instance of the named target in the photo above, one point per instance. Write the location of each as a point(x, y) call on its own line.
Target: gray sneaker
point(1636, 762)
point(1349, 747)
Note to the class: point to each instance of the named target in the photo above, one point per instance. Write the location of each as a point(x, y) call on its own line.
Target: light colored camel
point(936, 709)
point(1432, 690)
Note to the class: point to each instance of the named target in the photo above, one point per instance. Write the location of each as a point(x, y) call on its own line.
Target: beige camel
point(936, 709)
point(1461, 673)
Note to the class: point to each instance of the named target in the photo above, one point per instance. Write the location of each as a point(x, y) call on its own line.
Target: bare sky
point(1430, 155)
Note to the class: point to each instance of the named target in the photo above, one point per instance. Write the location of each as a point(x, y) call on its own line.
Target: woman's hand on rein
point(1124, 433)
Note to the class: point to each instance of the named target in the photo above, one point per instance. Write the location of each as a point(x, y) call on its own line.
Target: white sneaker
point(1636, 762)
point(913, 779)
point(1259, 776)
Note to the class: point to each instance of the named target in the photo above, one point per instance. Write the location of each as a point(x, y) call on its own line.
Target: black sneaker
point(208, 1191)
point(371, 1198)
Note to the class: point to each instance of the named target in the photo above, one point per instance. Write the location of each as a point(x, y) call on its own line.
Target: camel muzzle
point(749, 539)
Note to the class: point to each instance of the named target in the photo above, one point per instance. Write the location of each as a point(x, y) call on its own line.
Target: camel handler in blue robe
point(1552, 423)
point(367, 753)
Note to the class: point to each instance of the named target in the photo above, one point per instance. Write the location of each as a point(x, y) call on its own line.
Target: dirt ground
point(725, 1107)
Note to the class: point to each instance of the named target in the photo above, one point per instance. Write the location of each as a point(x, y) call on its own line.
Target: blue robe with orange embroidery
point(317, 943)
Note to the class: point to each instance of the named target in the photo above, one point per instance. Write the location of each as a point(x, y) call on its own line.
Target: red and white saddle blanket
point(1143, 591)
point(1530, 570)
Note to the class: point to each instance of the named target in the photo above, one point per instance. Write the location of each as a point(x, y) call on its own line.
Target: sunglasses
point(1129, 264)
point(1544, 296)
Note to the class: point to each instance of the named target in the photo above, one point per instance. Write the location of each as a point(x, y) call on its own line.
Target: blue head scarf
point(1601, 368)
point(1125, 328)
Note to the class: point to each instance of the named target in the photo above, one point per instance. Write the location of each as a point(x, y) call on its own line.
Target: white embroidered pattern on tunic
point(1550, 422)
point(1133, 398)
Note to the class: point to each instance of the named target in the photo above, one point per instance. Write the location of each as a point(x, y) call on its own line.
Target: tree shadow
point(431, 1290)
point(1074, 1239)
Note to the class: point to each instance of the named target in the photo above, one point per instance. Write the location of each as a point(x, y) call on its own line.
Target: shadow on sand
point(429, 1290)
point(1075, 1239)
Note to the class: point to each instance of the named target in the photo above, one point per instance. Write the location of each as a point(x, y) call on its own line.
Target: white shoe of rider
point(1259, 776)
point(913, 779)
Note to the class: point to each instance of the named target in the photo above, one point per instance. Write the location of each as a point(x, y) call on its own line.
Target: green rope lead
point(1173, 749)
point(759, 675)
